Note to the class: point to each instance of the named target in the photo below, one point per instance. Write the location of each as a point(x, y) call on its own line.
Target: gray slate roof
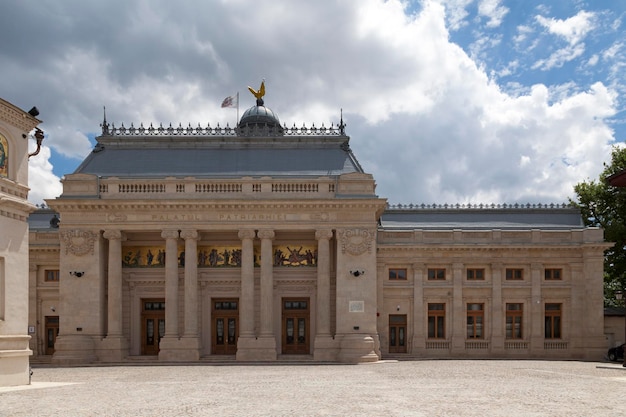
point(40, 219)
point(246, 160)
point(515, 219)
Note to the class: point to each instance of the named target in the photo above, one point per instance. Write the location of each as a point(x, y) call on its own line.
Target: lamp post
point(619, 295)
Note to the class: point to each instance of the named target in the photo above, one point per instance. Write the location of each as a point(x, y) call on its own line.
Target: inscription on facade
point(212, 216)
point(273, 217)
point(356, 306)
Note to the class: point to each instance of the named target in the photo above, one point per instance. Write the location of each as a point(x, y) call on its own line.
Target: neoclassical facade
point(261, 242)
point(15, 127)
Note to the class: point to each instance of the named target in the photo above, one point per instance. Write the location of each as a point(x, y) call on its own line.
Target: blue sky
point(446, 101)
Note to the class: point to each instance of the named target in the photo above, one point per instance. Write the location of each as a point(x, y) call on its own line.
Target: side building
point(15, 127)
point(262, 242)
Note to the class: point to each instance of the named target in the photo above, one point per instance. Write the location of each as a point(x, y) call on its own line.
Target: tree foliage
point(604, 206)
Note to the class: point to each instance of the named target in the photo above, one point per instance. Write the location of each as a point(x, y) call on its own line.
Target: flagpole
point(237, 121)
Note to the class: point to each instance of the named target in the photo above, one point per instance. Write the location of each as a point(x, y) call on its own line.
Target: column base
point(14, 363)
point(262, 348)
point(185, 349)
point(74, 349)
point(357, 348)
point(325, 348)
point(113, 349)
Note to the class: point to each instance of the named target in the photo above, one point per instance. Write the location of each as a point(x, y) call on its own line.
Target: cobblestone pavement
point(387, 388)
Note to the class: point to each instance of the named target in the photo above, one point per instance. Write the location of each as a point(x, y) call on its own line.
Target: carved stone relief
point(356, 242)
point(79, 242)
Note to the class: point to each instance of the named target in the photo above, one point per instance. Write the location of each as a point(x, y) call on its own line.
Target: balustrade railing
point(261, 130)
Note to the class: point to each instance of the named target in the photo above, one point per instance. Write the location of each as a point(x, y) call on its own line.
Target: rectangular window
point(397, 274)
point(475, 274)
point(436, 321)
point(475, 320)
point(52, 275)
point(514, 315)
point(436, 274)
point(553, 274)
point(514, 274)
point(553, 321)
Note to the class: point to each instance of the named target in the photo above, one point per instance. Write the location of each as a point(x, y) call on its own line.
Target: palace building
point(263, 242)
point(15, 128)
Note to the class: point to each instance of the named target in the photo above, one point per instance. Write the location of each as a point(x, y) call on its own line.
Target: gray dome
point(259, 116)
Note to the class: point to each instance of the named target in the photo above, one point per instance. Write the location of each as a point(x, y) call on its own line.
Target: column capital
point(246, 234)
point(189, 234)
point(169, 234)
point(323, 234)
point(266, 234)
point(114, 235)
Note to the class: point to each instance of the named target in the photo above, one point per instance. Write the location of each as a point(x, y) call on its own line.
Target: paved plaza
point(387, 388)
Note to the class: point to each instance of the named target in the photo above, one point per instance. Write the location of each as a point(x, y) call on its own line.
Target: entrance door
point(295, 328)
point(225, 313)
point(397, 333)
point(52, 331)
point(152, 325)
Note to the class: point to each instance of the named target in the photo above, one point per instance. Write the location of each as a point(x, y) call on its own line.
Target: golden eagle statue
point(258, 94)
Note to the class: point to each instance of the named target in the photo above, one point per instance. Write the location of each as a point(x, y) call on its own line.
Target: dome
point(258, 117)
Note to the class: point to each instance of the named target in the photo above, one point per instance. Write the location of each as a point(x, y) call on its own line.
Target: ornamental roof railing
point(262, 130)
point(480, 206)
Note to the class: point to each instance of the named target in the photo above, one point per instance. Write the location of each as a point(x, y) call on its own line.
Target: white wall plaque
point(356, 307)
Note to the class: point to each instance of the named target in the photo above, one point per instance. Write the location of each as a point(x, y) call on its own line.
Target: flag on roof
point(231, 101)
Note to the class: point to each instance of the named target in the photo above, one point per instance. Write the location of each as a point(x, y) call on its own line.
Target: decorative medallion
point(78, 242)
point(356, 242)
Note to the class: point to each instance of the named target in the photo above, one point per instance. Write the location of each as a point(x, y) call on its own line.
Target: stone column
point(191, 282)
point(190, 340)
point(246, 344)
point(246, 303)
point(115, 345)
point(169, 342)
point(324, 347)
point(267, 282)
point(267, 339)
point(115, 238)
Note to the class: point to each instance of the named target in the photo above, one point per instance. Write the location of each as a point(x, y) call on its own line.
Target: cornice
point(101, 204)
point(17, 117)
point(496, 247)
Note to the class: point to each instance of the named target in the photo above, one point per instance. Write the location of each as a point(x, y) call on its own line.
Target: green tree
point(604, 206)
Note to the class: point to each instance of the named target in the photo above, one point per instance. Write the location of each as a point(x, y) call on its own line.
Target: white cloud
point(42, 182)
point(456, 12)
point(573, 29)
point(493, 10)
point(423, 117)
point(560, 57)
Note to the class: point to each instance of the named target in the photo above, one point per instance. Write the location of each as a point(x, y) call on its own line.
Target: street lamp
point(619, 296)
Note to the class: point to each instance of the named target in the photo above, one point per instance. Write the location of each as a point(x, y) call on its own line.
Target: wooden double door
point(397, 333)
point(296, 326)
point(225, 324)
point(52, 331)
point(152, 325)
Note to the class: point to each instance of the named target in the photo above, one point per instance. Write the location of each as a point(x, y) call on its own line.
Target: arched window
point(4, 157)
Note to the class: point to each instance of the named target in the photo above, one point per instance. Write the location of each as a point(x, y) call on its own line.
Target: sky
point(445, 101)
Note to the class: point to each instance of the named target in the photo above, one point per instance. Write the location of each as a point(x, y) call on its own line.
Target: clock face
point(4, 157)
